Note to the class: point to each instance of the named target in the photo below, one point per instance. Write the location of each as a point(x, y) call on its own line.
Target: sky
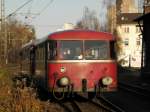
point(49, 15)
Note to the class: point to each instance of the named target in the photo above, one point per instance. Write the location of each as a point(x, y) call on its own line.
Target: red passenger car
point(74, 61)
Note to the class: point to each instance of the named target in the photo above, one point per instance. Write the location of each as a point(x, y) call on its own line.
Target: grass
point(14, 99)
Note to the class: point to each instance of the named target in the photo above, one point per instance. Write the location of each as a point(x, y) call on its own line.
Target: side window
point(32, 55)
point(43, 52)
point(52, 50)
point(38, 53)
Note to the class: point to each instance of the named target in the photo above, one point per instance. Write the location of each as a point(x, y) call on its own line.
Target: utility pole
point(2, 13)
point(3, 35)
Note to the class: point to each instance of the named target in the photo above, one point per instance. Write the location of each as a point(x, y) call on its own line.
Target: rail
point(135, 89)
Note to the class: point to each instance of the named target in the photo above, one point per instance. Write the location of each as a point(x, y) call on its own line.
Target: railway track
point(112, 107)
point(69, 105)
point(135, 89)
point(82, 104)
point(102, 104)
point(88, 105)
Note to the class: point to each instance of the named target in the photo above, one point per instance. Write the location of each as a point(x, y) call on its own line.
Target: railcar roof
point(73, 35)
point(30, 43)
point(80, 35)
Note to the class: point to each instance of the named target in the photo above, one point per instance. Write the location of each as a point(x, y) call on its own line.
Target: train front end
point(83, 76)
point(82, 65)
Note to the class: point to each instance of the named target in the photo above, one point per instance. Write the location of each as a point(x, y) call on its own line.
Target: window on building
point(126, 29)
point(138, 41)
point(138, 30)
point(126, 42)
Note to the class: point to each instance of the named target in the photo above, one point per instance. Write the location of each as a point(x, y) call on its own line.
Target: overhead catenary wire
point(55, 25)
point(46, 6)
point(29, 9)
point(19, 8)
point(29, 12)
point(43, 9)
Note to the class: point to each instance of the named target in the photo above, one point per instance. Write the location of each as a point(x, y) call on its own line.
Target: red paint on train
point(92, 72)
point(80, 35)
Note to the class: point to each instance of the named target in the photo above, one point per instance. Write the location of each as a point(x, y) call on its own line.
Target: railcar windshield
point(96, 49)
point(71, 50)
point(81, 49)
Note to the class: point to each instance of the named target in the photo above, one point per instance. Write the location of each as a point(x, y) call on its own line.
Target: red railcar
point(74, 61)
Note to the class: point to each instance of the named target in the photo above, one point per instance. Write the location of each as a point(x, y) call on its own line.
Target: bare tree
point(17, 33)
point(111, 18)
point(112, 27)
point(89, 21)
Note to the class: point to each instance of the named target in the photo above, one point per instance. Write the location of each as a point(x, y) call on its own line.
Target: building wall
point(131, 45)
point(126, 6)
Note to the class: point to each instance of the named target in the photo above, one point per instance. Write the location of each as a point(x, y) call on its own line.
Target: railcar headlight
point(63, 69)
point(107, 81)
point(64, 81)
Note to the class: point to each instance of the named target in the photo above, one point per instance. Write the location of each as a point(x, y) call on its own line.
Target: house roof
point(142, 17)
point(127, 18)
